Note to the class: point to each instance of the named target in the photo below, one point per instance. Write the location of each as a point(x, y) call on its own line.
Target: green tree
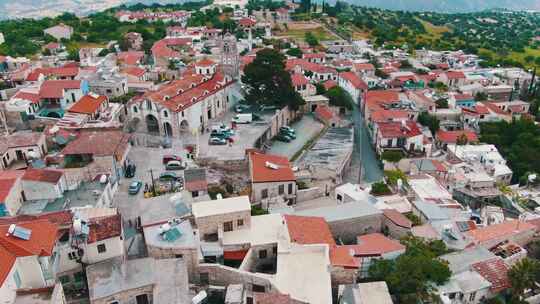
point(523, 275)
point(311, 39)
point(321, 90)
point(480, 96)
point(441, 103)
point(430, 121)
point(392, 156)
point(380, 188)
point(267, 82)
point(296, 52)
point(339, 97)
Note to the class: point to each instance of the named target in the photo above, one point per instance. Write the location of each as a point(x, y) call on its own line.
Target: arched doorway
point(184, 126)
point(54, 114)
point(168, 129)
point(152, 124)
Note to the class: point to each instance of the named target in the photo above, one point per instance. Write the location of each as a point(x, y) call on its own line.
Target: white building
point(354, 85)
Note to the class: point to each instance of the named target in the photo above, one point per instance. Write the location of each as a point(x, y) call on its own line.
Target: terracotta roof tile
point(104, 228)
point(299, 79)
point(41, 242)
point(261, 173)
point(55, 88)
point(329, 84)
point(88, 104)
point(500, 231)
point(393, 129)
point(452, 136)
point(375, 244)
point(494, 271)
point(309, 230)
point(99, 143)
point(131, 57)
point(397, 218)
point(43, 175)
point(354, 80)
point(7, 260)
point(33, 97)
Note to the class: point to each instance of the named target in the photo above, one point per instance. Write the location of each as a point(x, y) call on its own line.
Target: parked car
point(130, 171)
point(175, 165)
point(242, 118)
point(168, 176)
point(222, 128)
point(217, 141)
point(287, 129)
point(219, 134)
point(284, 138)
point(134, 187)
point(241, 108)
point(289, 134)
point(168, 157)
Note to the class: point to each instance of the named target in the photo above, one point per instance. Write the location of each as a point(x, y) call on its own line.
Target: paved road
point(363, 152)
point(306, 129)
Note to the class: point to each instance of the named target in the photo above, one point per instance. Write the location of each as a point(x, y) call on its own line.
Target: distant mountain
point(49, 8)
point(449, 6)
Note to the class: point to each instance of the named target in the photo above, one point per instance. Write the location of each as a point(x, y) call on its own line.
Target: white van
point(243, 118)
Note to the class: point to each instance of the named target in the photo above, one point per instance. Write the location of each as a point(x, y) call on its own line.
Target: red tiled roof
point(41, 242)
point(313, 55)
point(375, 244)
point(65, 71)
point(388, 115)
point(55, 88)
point(275, 298)
point(309, 230)
point(455, 75)
point(364, 67)
point(305, 65)
point(378, 97)
point(6, 185)
point(500, 231)
point(197, 185)
point(7, 260)
point(247, 22)
point(397, 218)
point(315, 230)
point(99, 143)
point(42, 175)
point(452, 136)
point(324, 113)
point(393, 129)
point(88, 104)
point(260, 173)
point(329, 84)
point(162, 47)
point(463, 97)
point(131, 57)
point(205, 62)
point(61, 218)
point(103, 228)
point(495, 109)
point(299, 79)
point(134, 71)
point(494, 271)
point(356, 81)
point(32, 97)
point(237, 255)
point(52, 45)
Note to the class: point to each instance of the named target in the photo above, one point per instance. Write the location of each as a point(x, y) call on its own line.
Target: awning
point(238, 255)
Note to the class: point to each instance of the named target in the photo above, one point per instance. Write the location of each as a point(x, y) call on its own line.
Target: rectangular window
point(262, 254)
point(64, 279)
point(281, 189)
point(264, 193)
point(178, 256)
point(290, 189)
point(101, 248)
point(240, 222)
point(472, 296)
point(228, 226)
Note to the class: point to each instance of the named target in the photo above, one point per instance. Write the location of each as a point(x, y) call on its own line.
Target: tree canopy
point(339, 97)
point(268, 83)
point(410, 276)
point(518, 142)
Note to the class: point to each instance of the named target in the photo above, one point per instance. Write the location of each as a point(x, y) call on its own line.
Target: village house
point(21, 147)
point(134, 41)
point(43, 184)
point(272, 180)
point(91, 105)
point(183, 105)
point(354, 85)
point(302, 85)
point(58, 95)
point(11, 192)
point(403, 136)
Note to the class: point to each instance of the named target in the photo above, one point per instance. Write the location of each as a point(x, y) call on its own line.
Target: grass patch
point(516, 56)
point(320, 33)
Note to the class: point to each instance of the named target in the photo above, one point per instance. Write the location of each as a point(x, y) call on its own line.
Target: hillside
point(449, 6)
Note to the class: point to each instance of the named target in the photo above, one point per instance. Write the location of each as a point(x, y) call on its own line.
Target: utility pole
point(153, 185)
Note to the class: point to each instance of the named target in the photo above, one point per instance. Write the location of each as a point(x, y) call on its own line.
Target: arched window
point(165, 114)
point(135, 109)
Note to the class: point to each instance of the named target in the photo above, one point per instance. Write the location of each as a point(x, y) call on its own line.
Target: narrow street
point(363, 153)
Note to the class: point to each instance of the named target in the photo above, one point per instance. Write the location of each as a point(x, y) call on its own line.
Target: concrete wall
point(308, 194)
point(126, 296)
point(30, 272)
point(348, 230)
point(223, 275)
point(35, 190)
point(394, 231)
point(188, 255)
point(273, 191)
point(13, 200)
point(113, 247)
point(7, 289)
point(213, 224)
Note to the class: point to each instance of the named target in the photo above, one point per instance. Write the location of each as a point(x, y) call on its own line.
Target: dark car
point(134, 187)
point(130, 171)
point(291, 135)
point(287, 129)
point(168, 176)
point(284, 138)
point(167, 158)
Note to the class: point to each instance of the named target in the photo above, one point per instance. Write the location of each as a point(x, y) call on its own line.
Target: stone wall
point(348, 230)
point(126, 296)
point(308, 194)
point(223, 275)
point(394, 231)
point(341, 275)
point(213, 224)
point(188, 255)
